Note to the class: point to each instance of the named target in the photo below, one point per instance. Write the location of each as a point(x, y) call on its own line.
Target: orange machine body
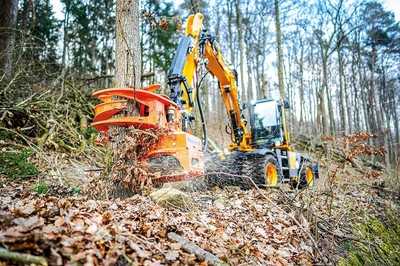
point(177, 155)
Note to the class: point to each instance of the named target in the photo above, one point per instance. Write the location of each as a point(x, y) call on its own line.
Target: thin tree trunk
point(371, 97)
point(249, 75)
point(241, 50)
point(65, 33)
point(321, 96)
point(332, 124)
point(397, 131)
point(282, 91)
point(348, 106)
point(264, 81)
point(356, 109)
point(8, 19)
point(343, 118)
point(301, 87)
point(230, 33)
point(279, 50)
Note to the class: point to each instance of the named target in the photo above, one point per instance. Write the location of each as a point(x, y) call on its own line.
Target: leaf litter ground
point(252, 227)
point(237, 226)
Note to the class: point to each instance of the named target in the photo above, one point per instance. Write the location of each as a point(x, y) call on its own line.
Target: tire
point(307, 177)
point(267, 172)
point(248, 171)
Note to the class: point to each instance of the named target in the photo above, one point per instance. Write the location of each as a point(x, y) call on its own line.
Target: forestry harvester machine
point(263, 145)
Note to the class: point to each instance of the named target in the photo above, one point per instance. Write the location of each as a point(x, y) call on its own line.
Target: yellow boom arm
point(228, 90)
point(196, 44)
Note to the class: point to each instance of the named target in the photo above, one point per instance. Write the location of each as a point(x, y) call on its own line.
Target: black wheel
point(307, 177)
point(248, 173)
point(267, 172)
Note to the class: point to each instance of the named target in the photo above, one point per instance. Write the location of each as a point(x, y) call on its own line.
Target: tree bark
point(280, 68)
point(331, 119)
point(342, 101)
point(396, 145)
point(8, 19)
point(230, 33)
point(321, 95)
point(349, 104)
point(301, 87)
point(127, 44)
point(249, 77)
point(127, 73)
point(65, 34)
point(279, 50)
point(371, 94)
point(241, 50)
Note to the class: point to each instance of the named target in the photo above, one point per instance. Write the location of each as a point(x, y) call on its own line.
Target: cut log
point(192, 248)
point(22, 257)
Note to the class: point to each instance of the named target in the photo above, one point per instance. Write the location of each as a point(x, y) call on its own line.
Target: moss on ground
point(378, 242)
point(15, 164)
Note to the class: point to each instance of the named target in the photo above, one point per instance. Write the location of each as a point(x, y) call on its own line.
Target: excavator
point(261, 147)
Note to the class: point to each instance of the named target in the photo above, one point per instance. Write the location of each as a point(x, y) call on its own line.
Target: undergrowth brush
point(377, 241)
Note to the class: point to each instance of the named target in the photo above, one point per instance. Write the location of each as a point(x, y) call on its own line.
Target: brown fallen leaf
point(171, 255)
point(106, 217)
point(139, 251)
point(59, 222)
point(26, 210)
point(92, 229)
point(28, 224)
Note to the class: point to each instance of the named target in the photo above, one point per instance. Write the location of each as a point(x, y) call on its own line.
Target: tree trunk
point(342, 101)
point(259, 64)
point(397, 132)
point(65, 33)
point(371, 95)
point(280, 67)
point(349, 105)
point(241, 50)
point(321, 96)
point(362, 79)
point(279, 50)
point(230, 34)
point(249, 75)
point(301, 87)
point(8, 19)
point(356, 109)
point(127, 44)
point(127, 73)
point(332, 124)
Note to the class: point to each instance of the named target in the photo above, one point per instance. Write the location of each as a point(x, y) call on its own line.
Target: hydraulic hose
point(203, 122)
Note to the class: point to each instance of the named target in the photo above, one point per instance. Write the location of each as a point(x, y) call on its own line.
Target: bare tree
point(329, 41)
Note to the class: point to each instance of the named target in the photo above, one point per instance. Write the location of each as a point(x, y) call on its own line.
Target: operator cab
point(265, 122)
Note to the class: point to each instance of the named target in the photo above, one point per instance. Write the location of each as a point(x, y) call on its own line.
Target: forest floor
point(61, 218)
